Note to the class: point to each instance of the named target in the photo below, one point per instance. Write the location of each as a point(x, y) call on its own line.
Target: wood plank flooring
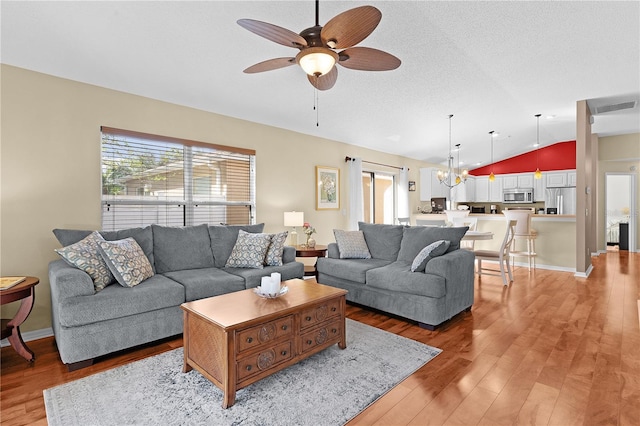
point(551, 349)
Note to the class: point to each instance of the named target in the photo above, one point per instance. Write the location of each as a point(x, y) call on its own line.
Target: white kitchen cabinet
point(556, 179)
point(539, 188)
point(510, 181)
point(571, 178)
point(482, 189)
point(495, 190)
point(525, 180)
point(464, 192)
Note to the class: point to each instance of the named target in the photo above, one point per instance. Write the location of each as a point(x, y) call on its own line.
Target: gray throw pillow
point(276, 248)
point(86, 256)
point(429, 252)
point(126, 261)
point(351, 244)
point(249, 251)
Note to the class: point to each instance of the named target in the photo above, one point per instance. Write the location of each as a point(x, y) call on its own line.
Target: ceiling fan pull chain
point(317, 102)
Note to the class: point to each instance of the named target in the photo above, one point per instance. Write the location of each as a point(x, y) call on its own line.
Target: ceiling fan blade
point(270, 64)
point(351, 27)
point(273, 32)
point(368, 59)
point(324, 82)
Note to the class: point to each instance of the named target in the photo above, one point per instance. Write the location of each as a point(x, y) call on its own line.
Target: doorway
point(620, 212)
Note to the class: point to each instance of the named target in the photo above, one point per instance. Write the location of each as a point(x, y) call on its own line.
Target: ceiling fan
point(323, 47)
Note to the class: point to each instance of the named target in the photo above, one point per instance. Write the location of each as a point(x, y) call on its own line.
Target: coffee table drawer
point(319, 313)
point(264, 334)
point(263, 360)
point(321, 335)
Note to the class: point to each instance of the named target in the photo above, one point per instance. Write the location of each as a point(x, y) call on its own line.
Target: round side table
point(317, 251)
point(24, 291)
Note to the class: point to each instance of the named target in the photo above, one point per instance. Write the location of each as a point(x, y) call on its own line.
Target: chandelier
point(448, 177)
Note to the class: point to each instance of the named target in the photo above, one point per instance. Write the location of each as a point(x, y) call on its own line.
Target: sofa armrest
point(457, 267)
point(66, 281)
point(332, 251)
point(288, 254)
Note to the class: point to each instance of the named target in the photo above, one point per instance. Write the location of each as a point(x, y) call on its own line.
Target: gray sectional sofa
point(188, 264)
point(385, 281)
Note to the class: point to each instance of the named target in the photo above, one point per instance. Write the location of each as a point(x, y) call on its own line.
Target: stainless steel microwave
point(517, 195)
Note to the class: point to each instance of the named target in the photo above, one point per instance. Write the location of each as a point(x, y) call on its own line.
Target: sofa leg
point(468, 309)
point(427, 326)
point(80, 364)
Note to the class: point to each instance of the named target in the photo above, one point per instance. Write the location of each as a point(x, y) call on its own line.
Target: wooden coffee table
point(239, 338)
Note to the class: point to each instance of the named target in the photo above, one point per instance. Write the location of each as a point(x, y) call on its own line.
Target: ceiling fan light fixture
point(317, 60)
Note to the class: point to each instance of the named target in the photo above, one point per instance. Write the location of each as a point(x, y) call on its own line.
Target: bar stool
point(523, 231)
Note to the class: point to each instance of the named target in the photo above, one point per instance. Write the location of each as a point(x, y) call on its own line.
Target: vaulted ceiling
point(493, 65)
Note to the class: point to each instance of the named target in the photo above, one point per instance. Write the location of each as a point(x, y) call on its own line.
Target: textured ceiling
point(493, 65)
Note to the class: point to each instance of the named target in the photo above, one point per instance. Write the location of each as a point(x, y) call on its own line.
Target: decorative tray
point(283, 290)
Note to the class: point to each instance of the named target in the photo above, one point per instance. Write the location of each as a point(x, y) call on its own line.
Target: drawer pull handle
point(309, 342)
point(248, 368)
point(283, 353)
point(308, 318)
point(284, 327)
point(333, 309)
point(250, 339)
point(334, 330)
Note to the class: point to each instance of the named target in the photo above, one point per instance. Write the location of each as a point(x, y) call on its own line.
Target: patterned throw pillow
point(429, 252)
point(249, 251)
point(276, 248)
point(85, 255)
point(126, 261)
point(351, 244)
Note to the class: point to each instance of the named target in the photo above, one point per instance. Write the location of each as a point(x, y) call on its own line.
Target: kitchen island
point(555, 245)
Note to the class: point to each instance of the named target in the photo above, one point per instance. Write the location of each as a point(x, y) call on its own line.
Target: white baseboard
point(584, 274)
point(31, 335)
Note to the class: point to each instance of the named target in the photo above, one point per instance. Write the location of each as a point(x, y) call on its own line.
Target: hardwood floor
point(549, 349)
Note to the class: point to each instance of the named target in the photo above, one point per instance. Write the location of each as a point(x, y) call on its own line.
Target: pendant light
point(492, 177)
point(446, 177)
point(538, 173)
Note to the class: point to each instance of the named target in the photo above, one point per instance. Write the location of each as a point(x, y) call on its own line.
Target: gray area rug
point(329, 388)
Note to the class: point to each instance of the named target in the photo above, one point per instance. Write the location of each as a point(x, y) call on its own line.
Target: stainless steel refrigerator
point(560, 200)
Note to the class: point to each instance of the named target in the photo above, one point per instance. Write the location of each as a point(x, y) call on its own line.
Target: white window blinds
point(173, 182)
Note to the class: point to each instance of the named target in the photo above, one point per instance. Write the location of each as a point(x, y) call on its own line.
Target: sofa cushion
point(249, 251)
point(276, 249)
point(415, 238)
point(126, 261)
point(155, 293)
point(351, 244)
point(86, 256)
point(223, 238)
point(207, 282)
point(175, 249)
point(398, 277)
point(383, 241)
point(348, 269)
point(436, 249)
point(252, 277)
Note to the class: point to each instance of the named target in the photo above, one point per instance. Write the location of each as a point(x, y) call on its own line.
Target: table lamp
point(293, 219)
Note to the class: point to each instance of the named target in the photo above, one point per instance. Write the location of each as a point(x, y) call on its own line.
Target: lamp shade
point(293, 218)
point(317, 60)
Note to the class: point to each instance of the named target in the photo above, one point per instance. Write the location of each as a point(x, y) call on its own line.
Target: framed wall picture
point(327, 188)
point(412, 185)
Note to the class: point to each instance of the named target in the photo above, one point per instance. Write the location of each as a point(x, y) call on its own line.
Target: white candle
point(265, 285)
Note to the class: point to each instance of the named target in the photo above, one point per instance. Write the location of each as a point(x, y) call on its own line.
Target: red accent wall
point(559, 156)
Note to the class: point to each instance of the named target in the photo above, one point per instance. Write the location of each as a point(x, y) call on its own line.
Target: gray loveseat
point(189, 264)
point(385, 281)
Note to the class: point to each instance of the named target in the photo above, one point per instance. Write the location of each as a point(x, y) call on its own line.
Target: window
point(379, 194)
point(173, 182)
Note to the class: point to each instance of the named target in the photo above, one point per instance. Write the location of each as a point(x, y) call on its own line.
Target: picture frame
point(412, 185)
point(327, 188)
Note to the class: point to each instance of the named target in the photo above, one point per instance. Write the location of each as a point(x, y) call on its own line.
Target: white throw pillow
point(429, 252)
point(351, 244)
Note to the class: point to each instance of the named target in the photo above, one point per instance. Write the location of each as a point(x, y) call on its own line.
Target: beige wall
point(617, 154)
point(50, 166)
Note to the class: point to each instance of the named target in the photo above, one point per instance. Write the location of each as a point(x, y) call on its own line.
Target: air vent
point(617, 107)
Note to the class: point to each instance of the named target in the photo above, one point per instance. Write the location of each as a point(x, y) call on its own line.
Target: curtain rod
point(346, 159)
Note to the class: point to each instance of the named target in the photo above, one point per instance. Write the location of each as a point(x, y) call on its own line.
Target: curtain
point(403, 193)
point(356, 198)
